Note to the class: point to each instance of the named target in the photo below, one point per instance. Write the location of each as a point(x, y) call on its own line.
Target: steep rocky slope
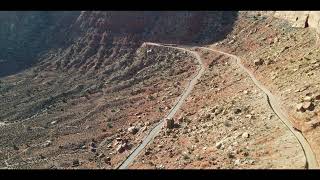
point(89, 97)
point(285, 58)
point(82, 89)
point(25, 35)
point(225, 124)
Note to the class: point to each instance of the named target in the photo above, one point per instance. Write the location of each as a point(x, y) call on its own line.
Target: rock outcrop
point(24, 36)
point(301, 18)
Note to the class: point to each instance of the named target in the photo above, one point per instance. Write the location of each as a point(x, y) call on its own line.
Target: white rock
point(307, 105)
point(307, 99)
point(237, 162)
point(245, 135)
point(299, 107)
point(119, 148)
point(133, 130)
point(235, 143)
point(47, 143)
point(147, 123)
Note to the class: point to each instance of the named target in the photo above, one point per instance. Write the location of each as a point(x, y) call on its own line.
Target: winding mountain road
point(273, 101)
point(311, 162)
point(171, 113)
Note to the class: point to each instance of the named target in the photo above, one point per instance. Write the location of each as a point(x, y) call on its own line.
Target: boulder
point(185, 156)
point(218, 111)
point(147, 123)
point(218, 145)
point(120, 148)
point(237, 110)
point(299, 107)
point(258, 62)
point(47, 143)
point(245, 135)
point(107, 159)
point(307, 99)
point(133, 130)
point(213, 110)
point(147, 152)
point(308, 106)
point(169, 123)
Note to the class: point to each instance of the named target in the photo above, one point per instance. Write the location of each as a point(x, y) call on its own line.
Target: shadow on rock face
point(193, 28)
point(24, 36)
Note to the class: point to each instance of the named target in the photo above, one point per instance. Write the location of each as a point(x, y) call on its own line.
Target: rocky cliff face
point(88, 77)
point(111, 35)
point(91, 37)
point(25, 35)
point(301, 18)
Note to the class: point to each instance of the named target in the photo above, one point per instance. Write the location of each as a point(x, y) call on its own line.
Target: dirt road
point(311, 162)
point(171, 113)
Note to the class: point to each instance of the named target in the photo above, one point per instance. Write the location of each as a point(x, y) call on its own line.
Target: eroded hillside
point(73, 104)
point(84, 89)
